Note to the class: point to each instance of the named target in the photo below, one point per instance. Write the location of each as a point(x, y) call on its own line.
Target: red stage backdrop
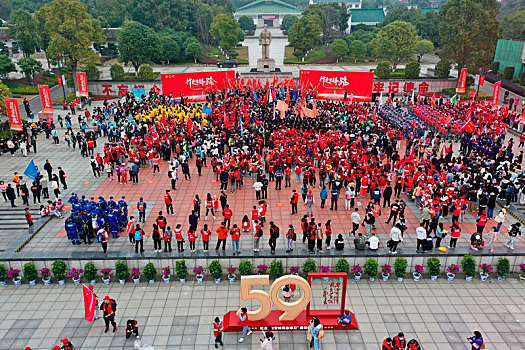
point(331, 85)
point(195, 85)
point(45, 96)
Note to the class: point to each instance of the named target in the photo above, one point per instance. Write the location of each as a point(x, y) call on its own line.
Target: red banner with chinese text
point(194, 86)
point(462, 81)
point(495, 94)
point(45, 96)
point(481, 80)
point(332, 85)
point(90, 303)
point(82, 84)
point(15, 121)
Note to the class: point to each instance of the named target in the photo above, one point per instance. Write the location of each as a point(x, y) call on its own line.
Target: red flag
point(267, 84)
point(445, 120)
point(444, 151)
point(190, 125)
point(90, 303)
point(469, 126)
point(389, 99)
point(374, 115)
point(414, 125)
point(274, 80)
point(433, 98)
point(59, 78)
point(462, 81)
point(45, 96)
point(163, 119)
point(13, 112)
point(314, 108)
point(495, 94)
point(288, 95)
point(418, 98)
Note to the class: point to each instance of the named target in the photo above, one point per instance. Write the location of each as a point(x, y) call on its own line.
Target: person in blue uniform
point(72, 232)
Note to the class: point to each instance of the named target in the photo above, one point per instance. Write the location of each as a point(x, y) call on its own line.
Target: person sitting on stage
point(346, 319)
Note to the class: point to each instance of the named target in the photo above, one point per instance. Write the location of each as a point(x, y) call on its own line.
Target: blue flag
point(255, 95)
point(207, 110)
point(240, 123)
point(138, 92)
point(31, 171)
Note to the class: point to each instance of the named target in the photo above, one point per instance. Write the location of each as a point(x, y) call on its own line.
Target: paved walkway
point(170, 316)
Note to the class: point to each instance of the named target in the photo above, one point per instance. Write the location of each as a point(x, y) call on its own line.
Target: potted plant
point(90, 273)
point(3, 275)
point(199, 272)
point(452, 270)
point(106, 274)
point(469, 267)
point(135, 275)
point(434, 267)
point(370, 268)
point(400, 268)
point(342, 265)
point(46, 276)
point(14, 274)
point(30, 273)
point(231, 273)
point(150, 273)
point(294, 270)
point(245, 268)
point(503, 268)
point(59, 271)
point(122, 271)
point(181, 270)
point(484, 271)
point(309, 266)
point(419, 270)
point(166, 274)
point(262, 269)
point(387, 269)
point(76, 274)
point(357, 270)
point(215, 269)
point(276, 269)
point(522, 272)
point(325, 269)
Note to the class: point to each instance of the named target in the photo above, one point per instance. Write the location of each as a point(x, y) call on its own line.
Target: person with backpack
point(141, 207)
point(274, 234)
point(109, 307)
point(257, 234)
point(316, 329)
point(102, 237)
point(139, 239)
point(290, 236)
point(309, 201)
point(168, 234)
point(513, 232)
point(476, 341)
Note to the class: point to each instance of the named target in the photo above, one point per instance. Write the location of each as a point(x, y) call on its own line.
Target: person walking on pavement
point(274, 234)
point(293, 201)
point(141, 207)
point(139, 239)
point(217, 332)
point(109, 307)
point(11, 195)
point(48, 168)
point(169, 203)
point(243, 316)
point(97, 308)
point(102, 237)
point(62, 176)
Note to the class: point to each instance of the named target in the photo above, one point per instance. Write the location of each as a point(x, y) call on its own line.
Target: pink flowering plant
point(13, 273)
point(262, 269)
point(486, 268)
point(453, 269)
point(166, 271)
point(522, 268)
point(231, 271)
point(419, 269)
point(295, 270)
point(45, 273)
point(135, 273)
point(75, 273)
point(387, 269)
point(324, 268)
point(199, 271)
point(106, 273)
point(357, 270)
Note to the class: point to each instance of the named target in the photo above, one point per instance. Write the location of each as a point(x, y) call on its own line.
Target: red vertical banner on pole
point(462, 81)
point(495, 94)
point(82, 84)
point(481, 80)
point(15, 121)
point(90, 303)
point(45, 96)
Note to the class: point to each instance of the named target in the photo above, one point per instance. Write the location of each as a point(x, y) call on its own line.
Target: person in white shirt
point(373, 242)
point(395, 238)
point(421, 237)
point(356, 219)
point(258, 185)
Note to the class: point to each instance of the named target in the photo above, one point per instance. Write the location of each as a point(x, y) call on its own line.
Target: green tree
point(246, 23)
point(513, 25)
point(5, 9)
point(170, 49)
point(442, 69)
point(333, 19)
point(92, 72)
point(423, 47)
point(339, 48)
point(428, 27)
point(44, 37)
point(6, 66)
point(412, 70)
point(29, 66)
point(305, 34)
point(72, 33)
point(412, 15)
point(288, 21)
point(117, 72)
point(357, 50)
point(226, 30)
point(24, 29)
point(113, 13)
point(468, 31)
point(193, 50)
point(383, 70)
point(137, 44)
point(396, 41)
point(4, 92)
point(146, 72)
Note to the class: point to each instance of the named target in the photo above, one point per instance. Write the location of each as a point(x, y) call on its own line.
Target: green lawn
point(313, 55)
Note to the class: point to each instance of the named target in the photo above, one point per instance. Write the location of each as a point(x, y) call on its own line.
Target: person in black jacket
point(339, 242)
point(132, 327)
point(274, 234)
point(109, 307)
point(11, 195)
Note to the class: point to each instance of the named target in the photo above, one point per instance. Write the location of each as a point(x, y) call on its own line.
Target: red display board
point(82, 84)
point(15, 121)
point(332, 85)
point(195, 85)
point(45, 96)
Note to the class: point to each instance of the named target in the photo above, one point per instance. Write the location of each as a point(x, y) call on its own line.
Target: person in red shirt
point(29, 218)
point(217, 332)
point(455, 233)
point(222, 231)
point(293, 201)
point(245, 224)
point(387, 344)
point(192, 237)
point(227, 215)
point(236, 236)
point(205, 234)
point(168, 234)
point(179, 236)
point(399, 342)
point(255, 215)
point(169, 203)
point(161, 222)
